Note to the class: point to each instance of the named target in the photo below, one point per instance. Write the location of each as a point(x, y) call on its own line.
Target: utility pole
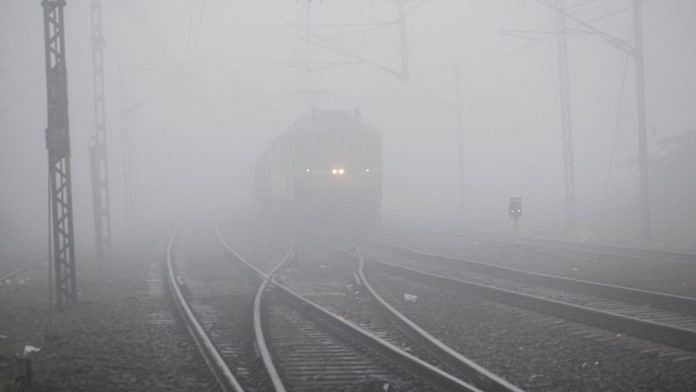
point(128, 157)
point(58, 144)
point(403, 44)
point(460, 134)
point(641, 112)
point(637, 52)
point(566, 120)
point(98, 147)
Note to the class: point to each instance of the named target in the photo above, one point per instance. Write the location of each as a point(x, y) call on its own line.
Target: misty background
point(203, 86)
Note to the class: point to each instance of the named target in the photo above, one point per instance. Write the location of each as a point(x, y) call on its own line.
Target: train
point(326, 167)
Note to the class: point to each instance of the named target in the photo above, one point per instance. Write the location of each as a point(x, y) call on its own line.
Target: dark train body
point(327, 167)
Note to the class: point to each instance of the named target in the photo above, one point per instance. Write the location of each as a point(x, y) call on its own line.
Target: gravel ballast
point(537, 352)
point(655, 275)
point(121, 336)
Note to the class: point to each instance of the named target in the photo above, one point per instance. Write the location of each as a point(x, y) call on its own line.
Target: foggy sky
point(208, 84)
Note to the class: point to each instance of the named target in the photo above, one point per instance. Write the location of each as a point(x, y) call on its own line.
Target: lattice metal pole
point(458, 105)
point(129, 157)
point(566, 120)
point(642, 131)
point(58, 144)
point(403, 39)
point(98, 146)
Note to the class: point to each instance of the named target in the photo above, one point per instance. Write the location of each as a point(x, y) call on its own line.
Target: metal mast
point(642, 132)
point(637, 51)
point(58, 144)
point(566, 119)
point(98, 146)
point(128, 157)
point(403, 47)
point(460, 133)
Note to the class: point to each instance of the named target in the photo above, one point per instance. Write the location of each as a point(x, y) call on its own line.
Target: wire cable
point(21, 95)
point(616, 133)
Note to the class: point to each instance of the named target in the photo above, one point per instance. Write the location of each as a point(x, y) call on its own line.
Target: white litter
point(410, 297)
point(30, 349)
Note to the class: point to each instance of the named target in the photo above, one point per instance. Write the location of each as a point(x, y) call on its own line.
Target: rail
point(484, 378)
point(413, 364)
point(18, 271)
point(212, 357)
point(663, 333)
point(259, 334)
point(589, 247)
point(627, 294)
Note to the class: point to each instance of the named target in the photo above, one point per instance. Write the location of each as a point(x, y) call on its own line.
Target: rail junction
point(271, 312)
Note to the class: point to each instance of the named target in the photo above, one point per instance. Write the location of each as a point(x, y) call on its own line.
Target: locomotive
point(326, 167)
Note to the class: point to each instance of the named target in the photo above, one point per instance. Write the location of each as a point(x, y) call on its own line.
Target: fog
point(204, 86)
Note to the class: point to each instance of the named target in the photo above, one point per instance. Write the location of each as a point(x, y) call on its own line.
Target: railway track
point(554, 245)
point(358, 302)
point(307, 347)
point(11, 275)
point(444, 354)
point(660, 275)
point(302, 345)
point(589, 247)
point(536, 351)
point(211, 353)
point(305, 341)
point(659, 317)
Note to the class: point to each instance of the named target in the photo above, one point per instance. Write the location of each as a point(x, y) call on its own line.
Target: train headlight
point(307, 171)
point(367, 170)
point(341, 171)
point(334, 172)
